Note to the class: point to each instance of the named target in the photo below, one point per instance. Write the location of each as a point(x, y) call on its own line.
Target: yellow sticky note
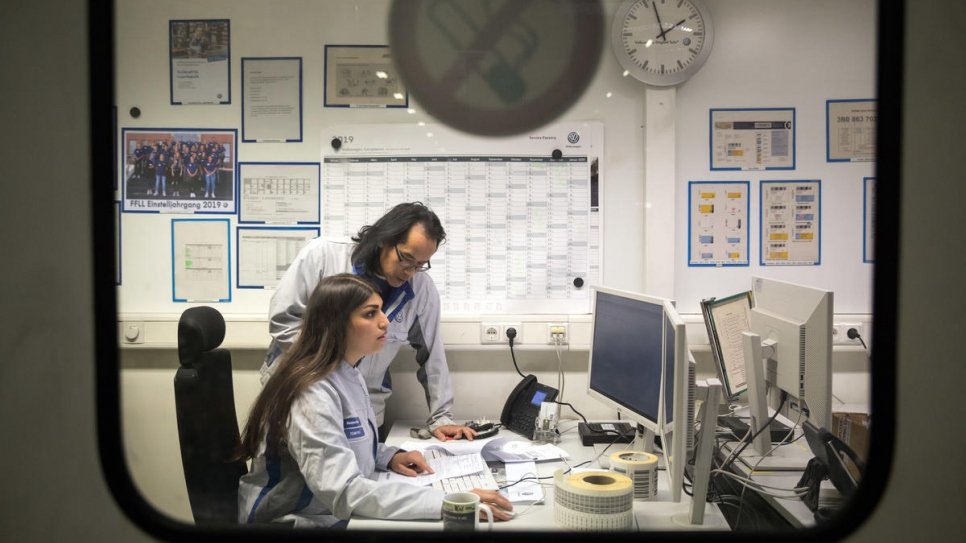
point(778, 255)
point(708, 195)
point(706, 208)
point(778, 236)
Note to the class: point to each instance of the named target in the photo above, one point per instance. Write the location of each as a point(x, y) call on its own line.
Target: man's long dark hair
point(391, 229)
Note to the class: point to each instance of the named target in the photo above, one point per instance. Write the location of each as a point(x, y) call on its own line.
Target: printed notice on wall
point(851, 130)
point(791, 223)
point(521, 222)
point(200, 61)
point(200, 260)
point(271, 99)
point(753, 139)
point(718, 223)
point(281, 193)
point(264, 254)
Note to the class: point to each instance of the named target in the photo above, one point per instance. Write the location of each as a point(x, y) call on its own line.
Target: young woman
point(311, 433)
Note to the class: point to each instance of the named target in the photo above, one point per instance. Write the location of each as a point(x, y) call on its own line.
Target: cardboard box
point(853, 429)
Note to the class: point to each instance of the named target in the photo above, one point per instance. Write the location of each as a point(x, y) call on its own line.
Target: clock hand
point(659, 23)
point(675, 25)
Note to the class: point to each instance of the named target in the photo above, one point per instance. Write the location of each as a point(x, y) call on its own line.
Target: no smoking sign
point(492, 67)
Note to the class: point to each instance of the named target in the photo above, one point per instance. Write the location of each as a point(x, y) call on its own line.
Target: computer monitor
point(797, 320)
point(627, 355)
point(641, 366)
point(677, 414)
point(791, 334)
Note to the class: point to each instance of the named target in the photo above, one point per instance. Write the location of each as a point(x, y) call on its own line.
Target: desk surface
point(658, 514)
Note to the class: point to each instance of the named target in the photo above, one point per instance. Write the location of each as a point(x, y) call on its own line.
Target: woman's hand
point(454, 431)
point(500, 505)
point(409, 463)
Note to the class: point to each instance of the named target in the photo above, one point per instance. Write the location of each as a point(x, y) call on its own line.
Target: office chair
point(207, 426)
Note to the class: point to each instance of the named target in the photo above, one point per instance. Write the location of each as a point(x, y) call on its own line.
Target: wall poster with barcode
point(791, 213)
point(752, 139)
point(718, 223)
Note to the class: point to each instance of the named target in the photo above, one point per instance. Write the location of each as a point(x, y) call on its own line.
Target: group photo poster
point(271, 99)
point(753, 139)
point(279, 192)
point(850, 130)
point(178, 170)
point(791, 219)
point(200, 61)
point(362, 76)
point(718, 223)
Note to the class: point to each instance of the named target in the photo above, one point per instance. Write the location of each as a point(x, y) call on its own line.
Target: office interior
point(141, 367)
point(760, 59)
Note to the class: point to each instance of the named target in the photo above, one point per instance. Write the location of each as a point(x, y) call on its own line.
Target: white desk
point(658, 514)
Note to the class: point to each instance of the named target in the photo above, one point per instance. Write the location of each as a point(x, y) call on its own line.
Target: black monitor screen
point(626, 356)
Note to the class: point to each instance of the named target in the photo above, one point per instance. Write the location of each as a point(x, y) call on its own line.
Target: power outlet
point(557, 332)
point(494, 333)
point(840, 333)
point(491, 333)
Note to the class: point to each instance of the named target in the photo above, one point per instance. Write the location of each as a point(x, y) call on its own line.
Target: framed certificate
point(362, 76)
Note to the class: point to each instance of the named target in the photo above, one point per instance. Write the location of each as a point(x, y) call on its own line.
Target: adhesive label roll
point(641, 468)
point(593, 501)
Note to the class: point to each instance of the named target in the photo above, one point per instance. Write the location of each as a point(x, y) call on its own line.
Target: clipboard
point(726, 319)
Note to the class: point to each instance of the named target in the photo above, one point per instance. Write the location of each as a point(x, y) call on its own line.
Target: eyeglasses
point(409, 263)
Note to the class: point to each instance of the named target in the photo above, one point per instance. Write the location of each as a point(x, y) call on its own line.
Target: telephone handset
point(523, 405)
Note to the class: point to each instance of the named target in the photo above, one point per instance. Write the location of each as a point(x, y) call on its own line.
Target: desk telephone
point(523, 405)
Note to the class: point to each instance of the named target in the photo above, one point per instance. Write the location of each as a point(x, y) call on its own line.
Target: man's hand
point(454, 431)
point(409, 463)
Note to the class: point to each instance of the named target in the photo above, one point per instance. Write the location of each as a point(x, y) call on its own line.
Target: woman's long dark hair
point(391, 229)
point(318, 349)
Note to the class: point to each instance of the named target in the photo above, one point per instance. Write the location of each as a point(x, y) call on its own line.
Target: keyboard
point(481, 478)
point(465, 483)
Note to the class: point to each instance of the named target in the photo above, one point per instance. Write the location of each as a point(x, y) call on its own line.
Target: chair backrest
point(207, 426)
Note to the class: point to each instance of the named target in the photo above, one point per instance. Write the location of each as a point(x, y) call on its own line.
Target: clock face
point(662, 42)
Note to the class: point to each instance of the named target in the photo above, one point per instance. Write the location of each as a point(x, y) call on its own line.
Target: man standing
point(391, 253)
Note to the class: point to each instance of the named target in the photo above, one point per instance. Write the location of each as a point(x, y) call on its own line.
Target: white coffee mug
point(461, 512)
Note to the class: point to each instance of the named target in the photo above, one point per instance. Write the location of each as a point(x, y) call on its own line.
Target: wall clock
point(662, 42)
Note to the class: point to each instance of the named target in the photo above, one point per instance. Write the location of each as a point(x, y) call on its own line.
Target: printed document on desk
point(494, 449)
point(444, 466)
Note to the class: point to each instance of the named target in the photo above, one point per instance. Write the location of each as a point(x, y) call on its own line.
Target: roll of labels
point(598, 500)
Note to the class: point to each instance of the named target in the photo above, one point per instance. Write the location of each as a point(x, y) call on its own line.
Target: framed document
point(200, 253)
point(281, 193)
point(271, 99)
point(791, 223)
point(264, 254)
point(362, 76)
point(199, 61)
point(718, 223)
point(850, 130)
point(753, 139)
